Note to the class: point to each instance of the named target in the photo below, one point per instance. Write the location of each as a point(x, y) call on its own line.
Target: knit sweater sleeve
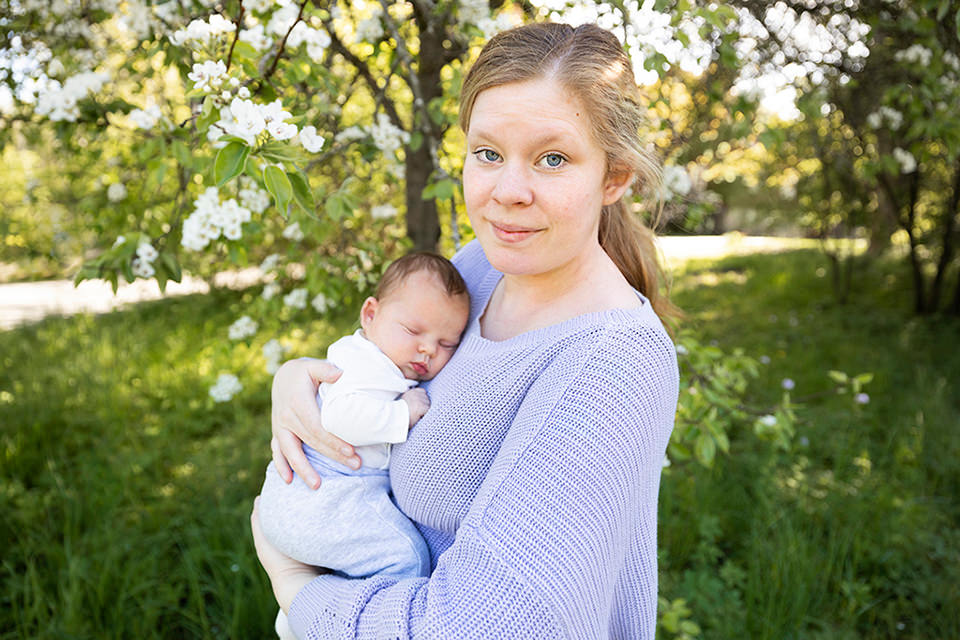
point(540, 552)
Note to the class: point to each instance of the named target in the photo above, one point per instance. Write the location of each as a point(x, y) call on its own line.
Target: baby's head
point(418, 313)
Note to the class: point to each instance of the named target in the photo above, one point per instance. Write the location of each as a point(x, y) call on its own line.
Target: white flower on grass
point(143, 269)
point(242, 327)
point(682, 350)
point(310, 140)
point(666, 461)
point(764, 359)
point(296, 299)
point(116, 192)
point(788, 384)
point(119, 241)
point(270, 290)
point(227, 386)
point(320, 303)
point(208, 75)
point(861, 398)
point(270, 262)
point(293, 232)
point(273, 352)
point(768, 420)
point(908, 164)
point(383, 211)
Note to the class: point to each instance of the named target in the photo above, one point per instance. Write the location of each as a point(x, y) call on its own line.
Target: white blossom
point(143, 269)
point(861, 398)
point(209, 75)
point(350, 134)
point(146, 118)
point(119, 241)
point(296, 299)
point(293, 232)
point(383, 211)
point(676, 182)
point(242, 327)
point(256, 37)
point(386, 136)
point(369, 29)
point(258, 6)
point(681, 350)
point(666, 461)
point(951, 60)
point(146, 252)
point(201, 33)
point(270, 263)
point(252, 196)
point(768, 420)
point(270, 290)
point(116, 192)
point(59, 102)
point(281, 130)
point(788, 384)
point(908, 164)
point(915, 54)
point(874, 120)
point(310, 140)
point(273, 352)
point(320, 303)
point(55, 68)
point(244, 119)
point(211, 218)
point(227, 386)
point(282, 19)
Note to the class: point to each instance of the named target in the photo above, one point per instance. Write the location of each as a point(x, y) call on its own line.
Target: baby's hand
point(418, 402)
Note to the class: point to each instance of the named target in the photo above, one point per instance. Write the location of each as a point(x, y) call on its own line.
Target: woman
point(534, 476)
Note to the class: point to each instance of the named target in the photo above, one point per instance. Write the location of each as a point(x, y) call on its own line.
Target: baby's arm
point(364, 416)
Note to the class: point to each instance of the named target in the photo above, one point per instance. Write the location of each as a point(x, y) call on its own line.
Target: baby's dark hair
point(401, 268)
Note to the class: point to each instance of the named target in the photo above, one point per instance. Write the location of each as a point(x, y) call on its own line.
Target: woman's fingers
point(336, 449)
point(290, 453)
point(280, 462)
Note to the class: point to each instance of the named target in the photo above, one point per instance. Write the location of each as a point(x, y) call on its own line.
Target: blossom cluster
point(242, 328)
point(675, 182)
point(885, 114)
point(143, 263)
point(908, 164)
point(211, 218)
point(227, 386)
point(146, 118)
point(59, 102)
point(383, 211)
point(285, 17)
point(251, 196)
point(202, 32)
point(247, 120)
point(477, 13)
point(915, 54)
point(117, 192)
point(273, 352)
point(370, 29)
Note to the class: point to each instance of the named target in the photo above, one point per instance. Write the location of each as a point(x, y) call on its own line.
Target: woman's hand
point(287, 576)
point(295, 419)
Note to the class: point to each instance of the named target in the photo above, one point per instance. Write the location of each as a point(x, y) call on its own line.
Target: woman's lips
point(509, 233)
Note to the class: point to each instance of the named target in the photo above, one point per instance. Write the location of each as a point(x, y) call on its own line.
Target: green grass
point(126, 491)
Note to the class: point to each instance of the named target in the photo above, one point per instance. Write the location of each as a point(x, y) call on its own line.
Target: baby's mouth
point(419, 367)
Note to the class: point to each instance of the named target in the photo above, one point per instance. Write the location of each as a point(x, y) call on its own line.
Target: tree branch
point(236, 35)
point(283, 43)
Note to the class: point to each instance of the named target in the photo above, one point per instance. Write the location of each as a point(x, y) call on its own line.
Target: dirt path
point(25, 302)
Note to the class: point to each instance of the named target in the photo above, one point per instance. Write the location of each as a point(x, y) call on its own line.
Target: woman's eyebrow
point(544, 140)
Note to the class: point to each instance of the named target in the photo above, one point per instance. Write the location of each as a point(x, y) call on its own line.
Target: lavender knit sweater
point(533, 479)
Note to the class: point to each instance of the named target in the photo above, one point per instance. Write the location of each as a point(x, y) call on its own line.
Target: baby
point(408, 332)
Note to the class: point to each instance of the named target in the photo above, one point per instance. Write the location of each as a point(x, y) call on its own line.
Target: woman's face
point(535, 180)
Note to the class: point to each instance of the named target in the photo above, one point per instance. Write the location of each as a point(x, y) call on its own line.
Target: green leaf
point(172, 266)
point(278, 184)
point(838, 376)
point(208, 115)
point(229, 162)
point(705, 449)
point(302, 194)
point(245, 51)
point(182, 153)
point(444, 189)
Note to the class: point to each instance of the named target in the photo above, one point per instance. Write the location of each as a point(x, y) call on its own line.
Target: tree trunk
point(919, 282)
point(946, 253)
point(423, 224)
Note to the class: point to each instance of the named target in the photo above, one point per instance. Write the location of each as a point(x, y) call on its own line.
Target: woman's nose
point(512, 187)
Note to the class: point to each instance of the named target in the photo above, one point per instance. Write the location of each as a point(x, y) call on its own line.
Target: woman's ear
point(616, 185)
point(368, 311)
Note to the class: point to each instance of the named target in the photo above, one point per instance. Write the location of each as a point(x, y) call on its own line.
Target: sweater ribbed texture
point(534, 480)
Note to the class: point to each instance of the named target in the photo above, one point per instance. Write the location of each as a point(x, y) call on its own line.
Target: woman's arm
point(295, 419)
point(541, 552)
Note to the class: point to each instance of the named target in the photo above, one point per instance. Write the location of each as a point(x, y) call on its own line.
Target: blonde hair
point(590, 62)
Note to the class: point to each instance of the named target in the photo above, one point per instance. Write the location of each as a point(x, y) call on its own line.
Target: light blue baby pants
point(349, 524)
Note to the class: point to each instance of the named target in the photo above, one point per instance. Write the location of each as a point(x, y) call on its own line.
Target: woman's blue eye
point(553, 160)
point(488, 155)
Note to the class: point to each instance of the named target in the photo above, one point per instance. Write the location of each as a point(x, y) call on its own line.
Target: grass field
point(126, 491)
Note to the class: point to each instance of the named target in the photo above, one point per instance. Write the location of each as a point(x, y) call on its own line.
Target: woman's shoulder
point(471, 261)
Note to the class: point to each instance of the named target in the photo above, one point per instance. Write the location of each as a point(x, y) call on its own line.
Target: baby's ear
point(368, 311)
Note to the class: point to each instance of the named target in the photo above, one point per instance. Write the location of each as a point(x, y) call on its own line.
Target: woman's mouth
point(511, 233)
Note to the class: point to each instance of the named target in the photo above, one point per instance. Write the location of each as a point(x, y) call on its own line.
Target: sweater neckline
point(474, 336)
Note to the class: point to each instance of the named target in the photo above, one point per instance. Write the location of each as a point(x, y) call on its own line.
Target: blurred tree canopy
point(149, 137)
